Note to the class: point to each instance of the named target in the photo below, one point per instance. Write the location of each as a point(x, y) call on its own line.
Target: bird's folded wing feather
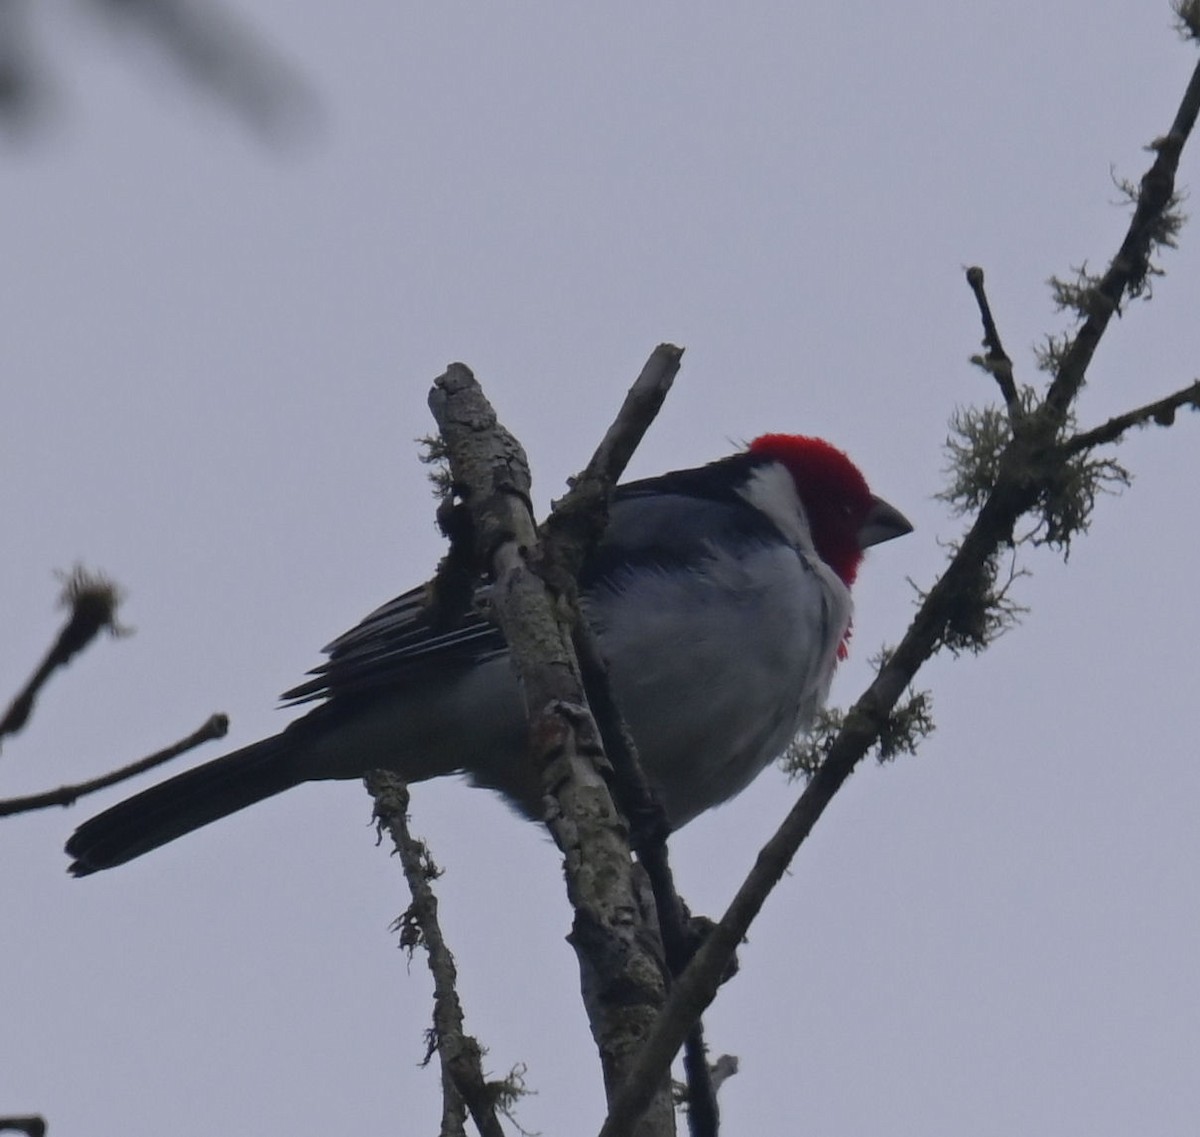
point(390, 645)
point(670, 523)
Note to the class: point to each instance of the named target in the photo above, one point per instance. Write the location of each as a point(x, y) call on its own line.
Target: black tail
point(183, 803)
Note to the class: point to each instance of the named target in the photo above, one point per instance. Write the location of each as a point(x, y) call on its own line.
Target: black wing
point(388, 646)
point(669, 522)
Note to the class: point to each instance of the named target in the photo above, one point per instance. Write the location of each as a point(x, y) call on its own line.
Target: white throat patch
point(772, 491)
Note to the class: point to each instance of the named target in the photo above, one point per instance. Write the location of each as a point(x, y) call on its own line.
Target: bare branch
point(641, 406)
point(217, 726)
point(459, 1053)
point(1161, 412)
point(578, 519)
point(996, 363)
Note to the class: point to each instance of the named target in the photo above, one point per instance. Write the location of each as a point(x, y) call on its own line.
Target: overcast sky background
point(215, 359)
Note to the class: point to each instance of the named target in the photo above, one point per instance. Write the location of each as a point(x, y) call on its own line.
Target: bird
point(719, 598)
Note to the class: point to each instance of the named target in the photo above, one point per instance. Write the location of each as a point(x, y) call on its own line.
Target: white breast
point(717, 671)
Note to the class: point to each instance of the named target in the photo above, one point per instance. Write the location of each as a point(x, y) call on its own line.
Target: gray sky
point(215, 360)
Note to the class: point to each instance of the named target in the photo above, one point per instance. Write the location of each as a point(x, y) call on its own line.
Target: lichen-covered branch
point(568, 535)
point(459, 1054)
point(1153, 223)
point(614, 932)
point(1029, 469)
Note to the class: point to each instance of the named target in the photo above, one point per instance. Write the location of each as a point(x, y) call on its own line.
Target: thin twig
point(93, 600)
point(1161, 412)
point(577, 521)
point(459, 1054)
point(996, 362)
point(217, 726)
point(613, 932)
point(642, 403)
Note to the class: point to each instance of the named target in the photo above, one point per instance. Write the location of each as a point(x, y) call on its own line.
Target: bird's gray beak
point(883, 522)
